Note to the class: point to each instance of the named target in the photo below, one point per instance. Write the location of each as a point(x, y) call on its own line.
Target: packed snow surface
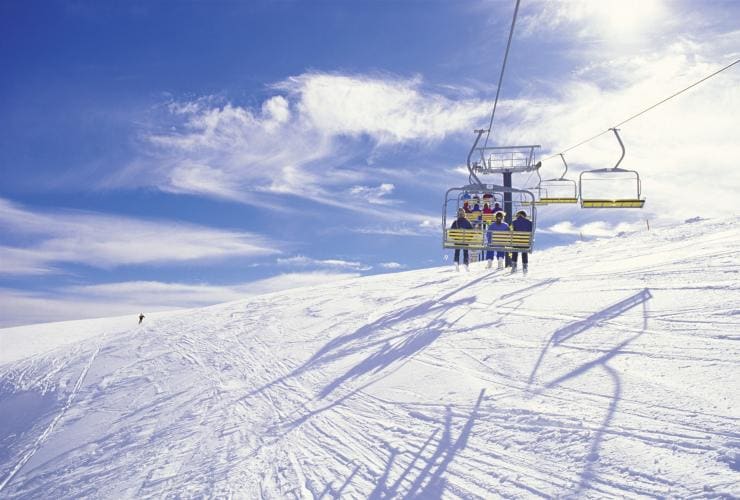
point(611, 370)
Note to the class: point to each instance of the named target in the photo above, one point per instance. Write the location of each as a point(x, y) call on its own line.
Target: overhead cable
point(501, 76)
point(644, 110)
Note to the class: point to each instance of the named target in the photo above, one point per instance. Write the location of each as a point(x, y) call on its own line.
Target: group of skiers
point(520, 223)
point(472, 205)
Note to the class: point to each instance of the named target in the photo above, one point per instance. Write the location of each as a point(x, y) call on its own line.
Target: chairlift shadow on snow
point(576, 328)
point(425, 474)
point(544, 283)
point(382, 360)
point(370, 335)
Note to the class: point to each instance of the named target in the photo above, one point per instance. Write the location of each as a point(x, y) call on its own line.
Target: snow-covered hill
point(610, 370)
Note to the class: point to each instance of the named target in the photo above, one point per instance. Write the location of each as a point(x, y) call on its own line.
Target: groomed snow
point(611, 370)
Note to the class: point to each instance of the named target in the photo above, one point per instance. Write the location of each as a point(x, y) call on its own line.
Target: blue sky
point(165, 154)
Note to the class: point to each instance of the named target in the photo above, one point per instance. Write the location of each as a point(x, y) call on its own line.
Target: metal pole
point(507, 208)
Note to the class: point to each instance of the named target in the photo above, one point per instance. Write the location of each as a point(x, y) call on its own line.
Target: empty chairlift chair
point(610, 187)
point(559, 189)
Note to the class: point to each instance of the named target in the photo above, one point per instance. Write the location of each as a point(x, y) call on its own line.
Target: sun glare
point(622, 20)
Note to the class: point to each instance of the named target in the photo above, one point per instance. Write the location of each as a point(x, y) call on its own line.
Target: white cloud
point(596, 228)
point(294, 280)
point(684, 149)
point(301, 142)
point(115, 299)
point(423, 229)
point(373, 195)
point(392, 265)
point(303, 261)
point(388, 110)
point(107, 241)
point(618, 21)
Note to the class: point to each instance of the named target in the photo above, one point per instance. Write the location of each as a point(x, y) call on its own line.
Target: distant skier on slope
point(461, 223)
point(498, 224)
point(521, 223)
point(141, 317)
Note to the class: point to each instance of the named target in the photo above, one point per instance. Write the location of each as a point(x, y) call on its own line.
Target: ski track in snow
point(611, 370)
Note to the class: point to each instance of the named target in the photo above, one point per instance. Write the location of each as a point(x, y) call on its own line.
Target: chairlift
point(477, 238)
point(537, 190)
point(610, 177)
point(559, 189)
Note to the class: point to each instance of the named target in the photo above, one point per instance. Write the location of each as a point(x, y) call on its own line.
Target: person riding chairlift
point(521, 223)
point(461, 223)
point(497, 225)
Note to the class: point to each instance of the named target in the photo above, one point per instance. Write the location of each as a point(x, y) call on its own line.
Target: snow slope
point(611, 370)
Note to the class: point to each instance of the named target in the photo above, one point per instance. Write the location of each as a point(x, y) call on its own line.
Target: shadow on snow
point(561, 335)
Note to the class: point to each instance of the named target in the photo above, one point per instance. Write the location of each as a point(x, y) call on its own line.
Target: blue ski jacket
point(522, 224)
point(461, 224)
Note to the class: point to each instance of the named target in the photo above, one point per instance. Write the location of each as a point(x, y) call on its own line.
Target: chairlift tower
point(504, 160)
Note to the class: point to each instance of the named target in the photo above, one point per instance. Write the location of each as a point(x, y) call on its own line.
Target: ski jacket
point(495, 226)
point(522, 224)
point(498, 226)
point(461, 224)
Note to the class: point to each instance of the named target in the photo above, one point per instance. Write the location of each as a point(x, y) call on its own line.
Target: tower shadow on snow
point(561, 335)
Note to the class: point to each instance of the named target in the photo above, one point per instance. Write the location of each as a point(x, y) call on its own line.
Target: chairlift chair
point(537, 190)
point(559, 189)
point(606, 175)
point(477, 238)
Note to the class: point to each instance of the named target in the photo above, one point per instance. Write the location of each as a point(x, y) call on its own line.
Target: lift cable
point(501, 76)
point(643, 111)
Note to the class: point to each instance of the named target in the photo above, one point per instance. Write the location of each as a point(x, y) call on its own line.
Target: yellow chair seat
point(487, 218)
point(630, 203)
point(546, 200)
point(511, 240)
point(473, 216)
point(464, 238)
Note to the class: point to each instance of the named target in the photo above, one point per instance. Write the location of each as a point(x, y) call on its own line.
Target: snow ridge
point(609, 371)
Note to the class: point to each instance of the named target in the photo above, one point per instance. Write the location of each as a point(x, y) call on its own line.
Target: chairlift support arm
point(472, 175)
point(621, 144)
point(562, 176)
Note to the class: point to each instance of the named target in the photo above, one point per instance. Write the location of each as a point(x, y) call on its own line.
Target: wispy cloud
point(374, 195)
point(113, 299)
point(106, 241)
point(613, 20)
point(392, 265)
point(684, 150)
point(591, 229)
point(314, 139)
point(303, 261)
point(424, 228)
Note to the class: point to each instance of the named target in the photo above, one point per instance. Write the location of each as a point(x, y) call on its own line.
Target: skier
point(141, 317)
point(497, 225)
point(521, 223)
point(461, 223)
